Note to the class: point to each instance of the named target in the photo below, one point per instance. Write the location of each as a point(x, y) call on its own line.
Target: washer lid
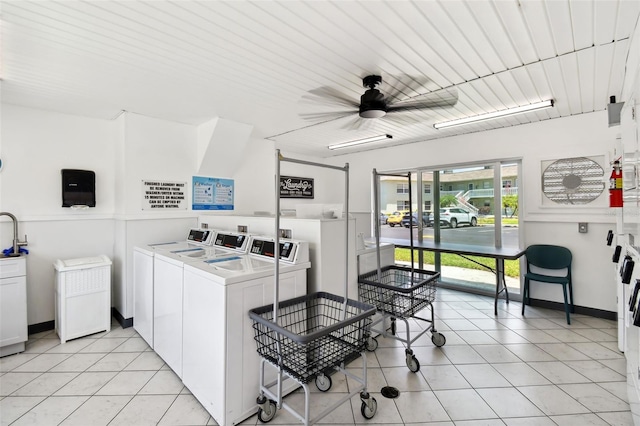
point(240, 264)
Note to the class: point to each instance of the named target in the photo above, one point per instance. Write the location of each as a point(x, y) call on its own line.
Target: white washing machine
point(143, 277)
point(168, 292)
point(220, 359)
point(224, 244)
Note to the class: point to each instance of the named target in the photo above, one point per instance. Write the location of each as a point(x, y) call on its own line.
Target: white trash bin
point(83, 296)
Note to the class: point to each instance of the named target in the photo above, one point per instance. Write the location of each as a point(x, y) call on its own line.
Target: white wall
point(36, 145)
point(157, 150)
point(255, 185)
point(582, 135)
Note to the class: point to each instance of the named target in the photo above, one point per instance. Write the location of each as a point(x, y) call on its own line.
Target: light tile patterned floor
point(493, 370)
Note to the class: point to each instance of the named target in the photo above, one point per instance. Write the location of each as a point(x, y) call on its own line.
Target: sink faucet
point(16, 242)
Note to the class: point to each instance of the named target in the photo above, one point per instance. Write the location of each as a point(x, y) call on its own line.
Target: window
point(470, 219)
point(402, 188)
point(402, 205)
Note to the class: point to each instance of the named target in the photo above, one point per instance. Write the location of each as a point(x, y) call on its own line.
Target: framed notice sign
point(164, 195)
point(296, 187)
point(212, 193)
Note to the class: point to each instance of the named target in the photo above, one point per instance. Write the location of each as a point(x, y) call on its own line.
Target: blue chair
point(549, 257)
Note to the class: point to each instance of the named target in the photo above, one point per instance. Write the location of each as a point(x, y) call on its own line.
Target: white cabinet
point(13, 305)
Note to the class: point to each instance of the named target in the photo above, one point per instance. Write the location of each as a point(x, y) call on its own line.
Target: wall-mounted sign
point(212, 193)
point(164, 195)
point(296, 187)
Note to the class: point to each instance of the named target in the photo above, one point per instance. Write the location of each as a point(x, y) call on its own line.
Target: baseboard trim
point(559, 306)
point(40, 327)
point(124, 322)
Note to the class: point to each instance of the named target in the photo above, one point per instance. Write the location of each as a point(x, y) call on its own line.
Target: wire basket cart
point(309, 337)
point(399, 292)
point(311, 340)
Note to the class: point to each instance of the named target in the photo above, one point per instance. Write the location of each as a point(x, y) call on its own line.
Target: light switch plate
point(583, 227)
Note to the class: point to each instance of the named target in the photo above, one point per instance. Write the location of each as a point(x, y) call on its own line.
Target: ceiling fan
point(375, 105)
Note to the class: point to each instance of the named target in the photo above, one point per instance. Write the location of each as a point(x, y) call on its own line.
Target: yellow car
point(395, 218)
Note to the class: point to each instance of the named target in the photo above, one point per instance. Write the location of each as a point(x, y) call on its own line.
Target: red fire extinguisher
point(615, 186)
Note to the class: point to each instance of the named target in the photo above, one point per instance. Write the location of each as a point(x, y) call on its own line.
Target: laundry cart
point(399, 292)
point(83, 296)
point(315, 335)
point(309, 337)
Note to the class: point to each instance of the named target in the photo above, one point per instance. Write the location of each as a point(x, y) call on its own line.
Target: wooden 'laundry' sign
point(296, 187)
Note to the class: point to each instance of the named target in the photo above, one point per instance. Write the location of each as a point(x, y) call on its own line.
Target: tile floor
point(504, 370)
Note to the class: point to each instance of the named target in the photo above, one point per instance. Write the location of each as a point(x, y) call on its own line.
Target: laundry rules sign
point(296, 187)
point(163, 195)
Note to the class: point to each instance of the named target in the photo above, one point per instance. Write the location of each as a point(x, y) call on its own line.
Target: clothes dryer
point(220, 359)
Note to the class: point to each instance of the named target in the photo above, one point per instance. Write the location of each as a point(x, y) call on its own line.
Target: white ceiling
point(255, 62)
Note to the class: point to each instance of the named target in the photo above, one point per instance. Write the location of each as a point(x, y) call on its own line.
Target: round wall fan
point(573, 181)
point(374, 104)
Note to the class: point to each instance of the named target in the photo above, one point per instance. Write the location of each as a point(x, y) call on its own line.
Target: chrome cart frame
point(309, 337)
point(399, 292)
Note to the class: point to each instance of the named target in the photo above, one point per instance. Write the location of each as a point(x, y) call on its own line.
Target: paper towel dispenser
point(78, 188)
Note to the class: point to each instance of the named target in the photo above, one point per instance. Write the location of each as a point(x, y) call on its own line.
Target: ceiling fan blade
point(403, 119)
point(354, 123)
point(358, 123)
point(329, 96)
point(444, 98)
point(403, 86)
point(327, 116)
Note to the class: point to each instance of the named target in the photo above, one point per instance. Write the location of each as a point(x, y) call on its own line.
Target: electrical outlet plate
point(583, 227)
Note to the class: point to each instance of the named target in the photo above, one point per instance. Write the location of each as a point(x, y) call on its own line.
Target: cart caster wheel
point(323, 383)
point(393, 327)
point(371, 344)
point(413, 364)
point(268, 413)
point(438, 339)
point(368, 410)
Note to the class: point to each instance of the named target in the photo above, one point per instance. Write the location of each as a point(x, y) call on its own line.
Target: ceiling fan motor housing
point(372, 104)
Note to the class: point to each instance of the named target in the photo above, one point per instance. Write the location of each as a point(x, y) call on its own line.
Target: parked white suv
point(453, 216)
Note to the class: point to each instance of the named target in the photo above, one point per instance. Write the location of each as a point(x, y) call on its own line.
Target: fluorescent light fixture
point(360, 141)
point(495, 114)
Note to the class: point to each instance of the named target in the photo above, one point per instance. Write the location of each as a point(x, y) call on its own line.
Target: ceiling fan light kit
point(496, 114)
point(360, 141)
